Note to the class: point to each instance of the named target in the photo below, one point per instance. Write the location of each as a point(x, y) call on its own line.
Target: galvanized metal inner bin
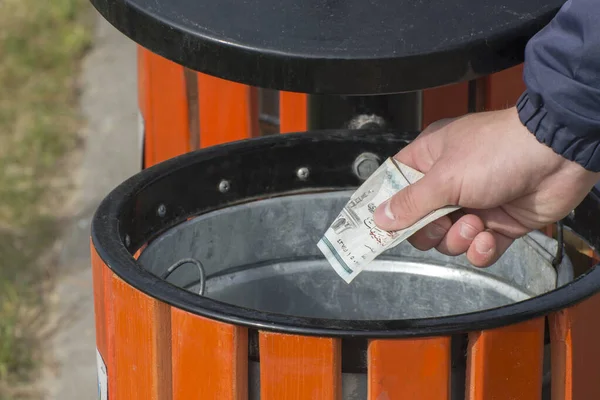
point(240, 224)
point(262, 255)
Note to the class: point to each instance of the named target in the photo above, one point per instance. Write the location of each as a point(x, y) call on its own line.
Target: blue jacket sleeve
point(561, 105)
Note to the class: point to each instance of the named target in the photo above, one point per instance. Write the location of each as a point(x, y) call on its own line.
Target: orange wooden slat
point(502, 89)
point(139, 252)
point(162, 99)
point(98, 273)
point(102, 279)
point(141, 345)
point(226, 110)
point(506, 363)
point(445, 102)
point(210, 358)
point(254, 111)
point(409, 369)
point(293, 112)
point(585, 249)
point(299, 367)
point(575, 351)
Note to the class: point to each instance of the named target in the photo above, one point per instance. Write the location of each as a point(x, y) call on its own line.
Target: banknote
point(353, 240)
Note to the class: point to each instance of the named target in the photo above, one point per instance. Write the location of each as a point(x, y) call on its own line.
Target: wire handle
point(560, 248)
point(183, 261)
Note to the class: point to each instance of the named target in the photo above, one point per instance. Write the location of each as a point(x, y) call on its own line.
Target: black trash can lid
point(335, 47)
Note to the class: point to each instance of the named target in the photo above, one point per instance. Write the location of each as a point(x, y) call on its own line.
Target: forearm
point(561, 105)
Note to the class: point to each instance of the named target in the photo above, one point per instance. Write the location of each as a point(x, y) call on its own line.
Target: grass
point(41, 45)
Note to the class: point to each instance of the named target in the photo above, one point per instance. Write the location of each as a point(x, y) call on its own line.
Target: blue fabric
point(561, 105)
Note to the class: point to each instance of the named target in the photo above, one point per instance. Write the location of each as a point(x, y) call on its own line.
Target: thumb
point(413, 202)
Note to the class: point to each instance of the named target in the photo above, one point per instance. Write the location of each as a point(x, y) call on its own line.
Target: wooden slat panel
point(299, 367)
point(445, 102)
point(162, 99)
point(293, 113)
point(582, 247)
point(225, 111)
point(502, 89)
point(210, 359)
point(102, 277)
point(142, 345)
point(98, 272)
point(253, 111)
point(506, 363)
point(574, 334)
point(409, 369)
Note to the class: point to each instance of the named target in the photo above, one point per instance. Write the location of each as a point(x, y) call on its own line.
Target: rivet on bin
point(224, 186)
point(302, 173)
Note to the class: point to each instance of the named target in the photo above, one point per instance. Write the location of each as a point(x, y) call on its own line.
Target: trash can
point(207, 279)
point(208, 284)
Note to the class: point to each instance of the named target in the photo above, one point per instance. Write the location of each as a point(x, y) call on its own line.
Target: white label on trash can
point(141, 134)
point(102, 377)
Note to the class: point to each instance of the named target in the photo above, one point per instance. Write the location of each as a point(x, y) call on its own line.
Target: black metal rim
point(343, 76)
point(111, 222)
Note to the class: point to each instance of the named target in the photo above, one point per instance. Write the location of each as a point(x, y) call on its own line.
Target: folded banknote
point(353, 240)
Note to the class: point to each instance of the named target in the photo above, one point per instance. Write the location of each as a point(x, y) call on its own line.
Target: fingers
point(498, 220)
point(431, 235)
point(467, 235)
point(449, 238)
point(487, 248)
point(412, 203)
point(461, 235)
point(501, 232)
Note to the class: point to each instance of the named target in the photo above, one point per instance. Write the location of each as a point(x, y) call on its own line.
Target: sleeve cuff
point(584, 150)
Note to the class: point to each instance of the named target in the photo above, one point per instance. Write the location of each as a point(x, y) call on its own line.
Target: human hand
point(505, 180)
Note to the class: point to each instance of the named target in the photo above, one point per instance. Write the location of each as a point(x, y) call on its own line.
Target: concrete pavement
point(111, 154)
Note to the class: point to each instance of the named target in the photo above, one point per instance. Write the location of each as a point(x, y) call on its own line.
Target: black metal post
point(401, 111)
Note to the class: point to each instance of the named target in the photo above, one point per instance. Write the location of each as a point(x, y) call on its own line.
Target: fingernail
point(467, 231)
point(387, 209)
point(483, 247)
point(383, 214)
point(435, 231)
